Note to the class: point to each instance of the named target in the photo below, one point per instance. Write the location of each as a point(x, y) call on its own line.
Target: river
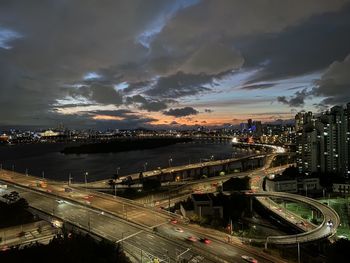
point(46, 159)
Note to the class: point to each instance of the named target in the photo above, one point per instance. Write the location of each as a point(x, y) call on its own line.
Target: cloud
point(162, 51)
point(181, 112)
point(213, 58)
point(299, 49)
point(208, 110)
point(103, 94)
point(297, 100)
point(6, 36)
point(180, 85)
point(258, 86)
point(334, 84)
point(147, 104)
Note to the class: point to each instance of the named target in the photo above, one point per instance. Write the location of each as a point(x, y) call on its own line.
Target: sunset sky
point(158, 63)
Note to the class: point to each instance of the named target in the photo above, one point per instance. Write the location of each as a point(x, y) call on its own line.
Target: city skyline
point(130, 64)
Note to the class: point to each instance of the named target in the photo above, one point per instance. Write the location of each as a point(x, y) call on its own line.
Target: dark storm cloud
point(62, 41)
point(181, 112)
point(297, 100)
point(258, 86)
point(180, 85)
point(161, 50)
point(298, 50)
point(146, 104)
point(103, 94)
point(116, 113)
point(334, 84)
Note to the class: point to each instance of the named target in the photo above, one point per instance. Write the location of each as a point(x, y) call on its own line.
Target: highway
point(125, 222)
point(324, 230)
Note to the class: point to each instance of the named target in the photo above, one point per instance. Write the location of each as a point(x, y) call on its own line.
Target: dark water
point(47, 157)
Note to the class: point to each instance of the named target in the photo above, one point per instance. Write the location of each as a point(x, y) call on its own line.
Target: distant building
point(292, 185)
point(4, 138)
point(258, 128)
point(49, 133)
point(341, 188)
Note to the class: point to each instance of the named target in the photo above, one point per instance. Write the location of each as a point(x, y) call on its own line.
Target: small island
point(123, 145)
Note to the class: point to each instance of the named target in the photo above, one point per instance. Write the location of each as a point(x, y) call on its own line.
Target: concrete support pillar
point(251, 205)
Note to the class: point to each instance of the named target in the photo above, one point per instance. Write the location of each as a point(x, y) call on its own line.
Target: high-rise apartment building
point(323, 141)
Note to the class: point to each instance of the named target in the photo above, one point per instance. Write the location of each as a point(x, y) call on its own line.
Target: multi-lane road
point(126, 222)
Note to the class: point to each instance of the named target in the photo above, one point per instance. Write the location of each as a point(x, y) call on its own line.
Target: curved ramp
point(324, 230)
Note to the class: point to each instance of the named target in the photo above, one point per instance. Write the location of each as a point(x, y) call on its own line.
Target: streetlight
point(170, 161)
point(26, 172)
point(267, 240)
point(70, 178)
point(145, 166)
point(118, 168)
point(43, 174)
point(86, 174)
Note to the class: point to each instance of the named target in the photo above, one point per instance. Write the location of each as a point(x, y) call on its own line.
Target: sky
point(170, 63)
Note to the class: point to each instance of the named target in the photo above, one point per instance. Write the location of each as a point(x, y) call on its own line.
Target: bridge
point(188, 172)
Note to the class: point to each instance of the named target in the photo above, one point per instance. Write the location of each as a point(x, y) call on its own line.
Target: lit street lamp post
point(118, 168)
point(70, 179)
point(267, 240)
point(86, 174)
point(145, 166)
point(170, 161)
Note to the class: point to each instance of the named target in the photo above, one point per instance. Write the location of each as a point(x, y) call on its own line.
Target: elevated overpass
point(190, 171)
point(327, 228)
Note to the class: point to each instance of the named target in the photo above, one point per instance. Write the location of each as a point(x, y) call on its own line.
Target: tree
point(339, 251)
point(111, 183)
point(151, 184)
point(141, 177)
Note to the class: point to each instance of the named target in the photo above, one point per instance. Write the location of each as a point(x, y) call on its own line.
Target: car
point(178, 229)
point(60, 201)
point(173, 221)
point(192, 239)
point(205, 240)
point(14, 193)
point(249, 259)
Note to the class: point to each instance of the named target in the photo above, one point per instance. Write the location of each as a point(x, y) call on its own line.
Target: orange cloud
point(108, 118)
